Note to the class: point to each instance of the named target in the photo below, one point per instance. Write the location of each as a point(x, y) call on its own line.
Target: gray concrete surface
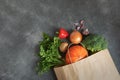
point(23, 21)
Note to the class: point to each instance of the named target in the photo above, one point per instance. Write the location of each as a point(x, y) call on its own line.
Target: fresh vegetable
point(79, 25)
point(75, 53)
point(75, 37)
point(63, 33)
point(49, 54)
point(81, 42)
point(85, 32)
point(94, 43)
point(63, 46)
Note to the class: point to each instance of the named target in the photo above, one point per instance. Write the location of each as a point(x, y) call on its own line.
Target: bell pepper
point(63, 33)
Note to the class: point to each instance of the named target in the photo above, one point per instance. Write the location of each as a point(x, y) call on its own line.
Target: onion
point(75, 37)
point(63, 47)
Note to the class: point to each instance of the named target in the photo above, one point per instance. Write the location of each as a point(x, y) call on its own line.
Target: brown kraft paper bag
point(98, 66)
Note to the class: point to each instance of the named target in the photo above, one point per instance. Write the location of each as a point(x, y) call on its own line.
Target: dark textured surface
point(23, 21)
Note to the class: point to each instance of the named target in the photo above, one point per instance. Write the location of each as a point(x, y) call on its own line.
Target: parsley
point(49, 54)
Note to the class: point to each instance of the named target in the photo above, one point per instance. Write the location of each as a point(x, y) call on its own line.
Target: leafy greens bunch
point(49, 54)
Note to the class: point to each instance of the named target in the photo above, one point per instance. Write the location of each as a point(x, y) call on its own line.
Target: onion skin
point(75, 37)
point(63, 47)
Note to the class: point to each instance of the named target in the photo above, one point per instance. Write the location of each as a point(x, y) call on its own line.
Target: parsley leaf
point(49, 54)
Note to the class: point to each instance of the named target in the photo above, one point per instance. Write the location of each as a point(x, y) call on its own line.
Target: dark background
point(23, 21)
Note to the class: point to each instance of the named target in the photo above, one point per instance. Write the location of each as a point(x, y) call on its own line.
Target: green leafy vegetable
point(49, 54)
point(94, 43)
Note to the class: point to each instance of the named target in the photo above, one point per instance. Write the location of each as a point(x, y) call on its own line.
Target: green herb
point(49, 54)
